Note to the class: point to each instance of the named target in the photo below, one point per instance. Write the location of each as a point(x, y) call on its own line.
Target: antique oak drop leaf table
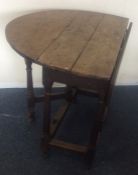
point(78, 48)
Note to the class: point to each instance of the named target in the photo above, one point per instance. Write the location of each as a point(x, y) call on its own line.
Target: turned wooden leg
point(30, 92)
point(47, 113)
point(95, 132)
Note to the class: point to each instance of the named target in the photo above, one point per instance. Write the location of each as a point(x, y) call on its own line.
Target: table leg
point(96, 131)
point(47, 113)
point(30, 91)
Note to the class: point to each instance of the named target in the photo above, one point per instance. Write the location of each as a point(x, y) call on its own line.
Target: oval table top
point(82, 42)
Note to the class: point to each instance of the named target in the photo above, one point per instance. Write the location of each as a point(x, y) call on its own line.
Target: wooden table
point(79, 48)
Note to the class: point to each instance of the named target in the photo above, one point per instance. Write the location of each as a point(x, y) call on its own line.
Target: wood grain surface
point(81, 42)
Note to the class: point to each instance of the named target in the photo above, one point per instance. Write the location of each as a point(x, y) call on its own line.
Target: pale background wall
point(12, 68)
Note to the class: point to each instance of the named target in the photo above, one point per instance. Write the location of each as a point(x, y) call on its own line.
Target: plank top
point(81, 42)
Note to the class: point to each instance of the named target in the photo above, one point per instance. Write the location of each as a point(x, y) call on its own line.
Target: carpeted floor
point(117, 153)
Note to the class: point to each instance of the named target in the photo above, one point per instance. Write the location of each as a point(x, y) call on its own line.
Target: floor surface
point(117, 152)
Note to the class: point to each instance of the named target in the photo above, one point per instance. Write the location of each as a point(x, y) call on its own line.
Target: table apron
point(98, 85)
